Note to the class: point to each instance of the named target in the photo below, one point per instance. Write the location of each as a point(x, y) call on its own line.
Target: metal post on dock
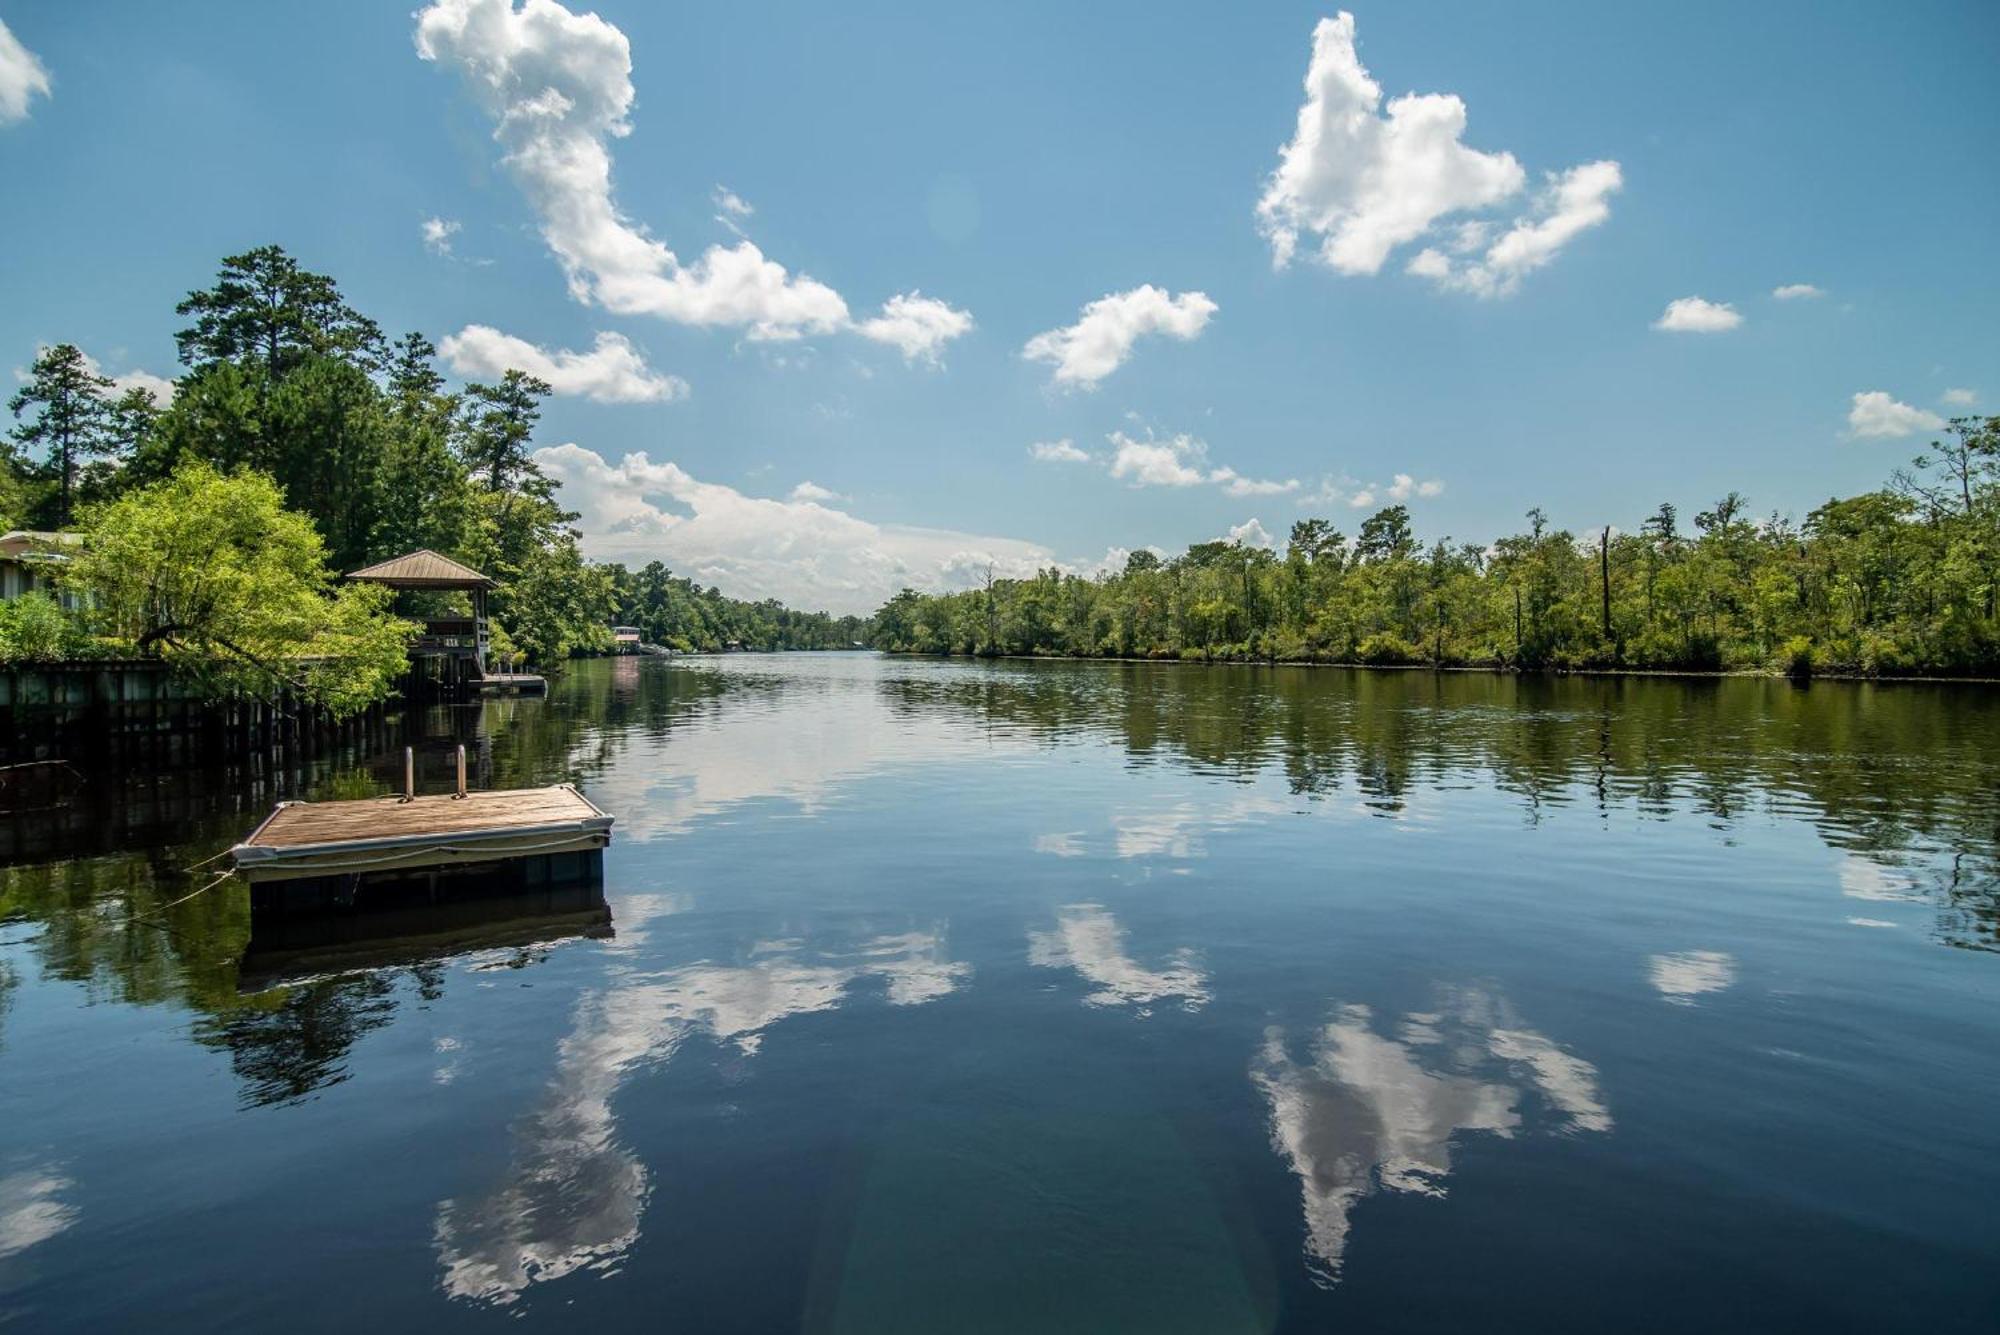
point(409, 773)
point(461, 769)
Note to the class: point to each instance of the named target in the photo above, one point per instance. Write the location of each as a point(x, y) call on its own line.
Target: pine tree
point(74, 423)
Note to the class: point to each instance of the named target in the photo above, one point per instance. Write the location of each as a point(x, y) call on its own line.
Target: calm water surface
point(1021, 997)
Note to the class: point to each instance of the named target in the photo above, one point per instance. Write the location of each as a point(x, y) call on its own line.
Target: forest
point(300, 442)
point(1898, 580)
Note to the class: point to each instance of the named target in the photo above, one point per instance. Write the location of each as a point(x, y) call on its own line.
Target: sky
point(838, 299)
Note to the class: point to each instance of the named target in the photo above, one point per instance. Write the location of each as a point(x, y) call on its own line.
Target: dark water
point(953, 997)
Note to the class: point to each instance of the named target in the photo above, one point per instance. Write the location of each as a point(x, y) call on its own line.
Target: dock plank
point(306, 824)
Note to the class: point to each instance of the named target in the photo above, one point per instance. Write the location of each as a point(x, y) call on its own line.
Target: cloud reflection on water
point(1365, 1112)
point(32, 1208)
point(573, 1197)
point(1088, 939)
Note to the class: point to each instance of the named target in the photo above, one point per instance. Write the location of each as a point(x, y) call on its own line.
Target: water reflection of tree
point(1901, 772)
point(292, 1042)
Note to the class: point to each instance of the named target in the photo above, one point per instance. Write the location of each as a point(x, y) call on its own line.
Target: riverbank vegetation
point(1899, 580)
point(348, 448)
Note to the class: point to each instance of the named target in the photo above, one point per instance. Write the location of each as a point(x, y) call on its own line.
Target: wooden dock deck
point(379, 834)
point(512, 683)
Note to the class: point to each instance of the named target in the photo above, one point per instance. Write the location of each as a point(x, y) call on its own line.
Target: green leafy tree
point(210, 572)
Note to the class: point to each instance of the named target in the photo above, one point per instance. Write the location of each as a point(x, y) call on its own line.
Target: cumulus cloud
point(916, 325)
point(23, 77)
point(1182, 461)
point(1959, 398)
point(800, 551)
point(558, 86)
point(1251, 533)
point(809, 490)
point(1874, 413)
point(1356, 495)
point(1101, 340)
point(1058, 452)
point(438, 233)
point(1570, 203)
point(613, 371)
point(161, 388)
point(1363, 181)
point(1697, 315)
point(1796, 292)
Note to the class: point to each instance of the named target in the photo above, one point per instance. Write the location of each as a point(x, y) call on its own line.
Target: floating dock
point(313, 856)
point(512, 683)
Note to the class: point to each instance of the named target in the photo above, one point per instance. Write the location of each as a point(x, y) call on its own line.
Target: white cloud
point(613, 371)
point(1796, 292)
point(161, 388)
point(438, 233)
point(814, 492)
point(917, 325)
point(1251, 533)
point(1101, 340)
point(1364, 182)
point(1571, 203)
point(1058, 452)
point(1874, 414)
point(802, 552)
point(1959, 398)
point(730, 202)
point(558, 86)
point(1361, 499)
point(1697, 315)
point(22, 78)
point(1158, 463)
point(1403, 486)
point(1181, 461)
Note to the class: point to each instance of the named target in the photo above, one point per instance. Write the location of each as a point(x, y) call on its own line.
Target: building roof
point(22, 542)
point(423, 569)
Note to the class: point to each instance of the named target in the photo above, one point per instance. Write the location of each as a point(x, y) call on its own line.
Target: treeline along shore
point(1897, 581)
point(203, 524)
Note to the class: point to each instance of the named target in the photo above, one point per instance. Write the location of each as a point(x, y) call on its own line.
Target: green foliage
point(64, 414)
point(677, 613)
point(35, 629)
point(1898, 580)
point(210, 572)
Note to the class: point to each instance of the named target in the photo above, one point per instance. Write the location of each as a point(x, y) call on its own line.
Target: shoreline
point(1696, 674)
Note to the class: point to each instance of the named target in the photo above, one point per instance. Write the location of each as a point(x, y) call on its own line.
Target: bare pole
point(461, 769)
point(409, 773)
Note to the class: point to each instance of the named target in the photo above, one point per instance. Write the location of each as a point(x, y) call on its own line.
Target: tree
point(267, 312)
point(74, 422)
point(1385, 534)
point(497, 426)
point(210, 572)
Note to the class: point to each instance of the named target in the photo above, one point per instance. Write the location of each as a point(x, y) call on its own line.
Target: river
point(955, 996)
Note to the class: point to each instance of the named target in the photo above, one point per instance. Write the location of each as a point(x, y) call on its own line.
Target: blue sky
point(1002, 167)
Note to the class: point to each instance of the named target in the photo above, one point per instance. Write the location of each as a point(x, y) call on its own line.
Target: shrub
point(1799, 657)
point(1384, 649)
point(35, 629)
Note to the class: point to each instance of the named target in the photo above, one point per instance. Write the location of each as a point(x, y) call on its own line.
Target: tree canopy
point(1902, 579)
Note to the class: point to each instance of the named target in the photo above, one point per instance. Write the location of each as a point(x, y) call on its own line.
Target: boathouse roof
point(422, 569)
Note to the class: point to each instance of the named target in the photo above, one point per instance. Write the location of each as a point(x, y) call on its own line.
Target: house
point(30, 560)
point(625, 637)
